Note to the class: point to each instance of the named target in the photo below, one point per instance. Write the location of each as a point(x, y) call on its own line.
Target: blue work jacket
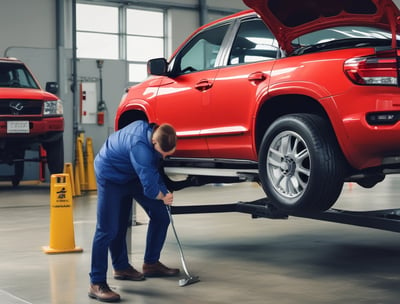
point(129, 155)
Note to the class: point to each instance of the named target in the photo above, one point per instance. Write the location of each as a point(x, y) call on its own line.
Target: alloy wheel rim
point(288, 164)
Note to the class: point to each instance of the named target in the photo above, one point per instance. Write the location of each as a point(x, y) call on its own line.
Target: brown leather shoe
point(103, 293)
point(159, 270)
point(130, 274)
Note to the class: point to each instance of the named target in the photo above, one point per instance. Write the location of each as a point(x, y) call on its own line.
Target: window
point(148, 23)
point(137, 72)
point(254, 42)
point(95, 37)
point(102, 35)
point(201, 52)
point(144, 41)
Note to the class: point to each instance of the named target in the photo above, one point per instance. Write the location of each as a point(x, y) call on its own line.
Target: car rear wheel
point(300, 164)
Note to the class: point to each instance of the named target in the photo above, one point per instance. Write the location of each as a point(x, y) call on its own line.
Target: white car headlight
point(53, 107)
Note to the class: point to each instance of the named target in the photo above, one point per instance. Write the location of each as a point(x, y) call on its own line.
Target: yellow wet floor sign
point(62, 238)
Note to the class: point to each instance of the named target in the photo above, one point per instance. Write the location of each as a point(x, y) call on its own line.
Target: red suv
point(29, 118)
point(303, 95)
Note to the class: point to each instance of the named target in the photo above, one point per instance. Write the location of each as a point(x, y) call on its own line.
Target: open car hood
point(289, 19)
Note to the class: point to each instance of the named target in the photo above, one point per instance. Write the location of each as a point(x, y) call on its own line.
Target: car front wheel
point(300, 164)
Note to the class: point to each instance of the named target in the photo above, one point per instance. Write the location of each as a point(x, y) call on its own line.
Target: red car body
point(326, 86)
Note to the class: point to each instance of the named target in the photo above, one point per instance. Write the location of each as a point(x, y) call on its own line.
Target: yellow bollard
point(77, 181)
point(68, 170)
point(62, 237)
point(80, 162)
point(91, 177)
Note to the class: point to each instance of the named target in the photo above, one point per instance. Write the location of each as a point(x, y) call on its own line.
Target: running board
point(388, 219)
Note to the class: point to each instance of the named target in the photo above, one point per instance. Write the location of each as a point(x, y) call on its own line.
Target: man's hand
point(167, 198)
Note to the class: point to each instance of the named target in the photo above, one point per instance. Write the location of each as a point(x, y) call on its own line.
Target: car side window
point(253, 42)
point(201, 52)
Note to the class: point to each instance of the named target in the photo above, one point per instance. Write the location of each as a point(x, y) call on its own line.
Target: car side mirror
point(157, 66)
point(52, 87)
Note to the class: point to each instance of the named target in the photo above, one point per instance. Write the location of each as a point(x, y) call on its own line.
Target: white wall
point(25, 23)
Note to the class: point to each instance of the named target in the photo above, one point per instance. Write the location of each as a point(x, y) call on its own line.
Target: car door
point(234, 94)
point(183, 97)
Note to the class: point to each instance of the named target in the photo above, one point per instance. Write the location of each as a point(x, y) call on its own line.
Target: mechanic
point(127, 168)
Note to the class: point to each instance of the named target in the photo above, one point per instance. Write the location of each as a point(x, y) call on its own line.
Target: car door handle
point(203, 85)
point(257, 76)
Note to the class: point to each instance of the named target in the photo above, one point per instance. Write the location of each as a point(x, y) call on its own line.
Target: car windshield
point(342, 37)
point(14, 75)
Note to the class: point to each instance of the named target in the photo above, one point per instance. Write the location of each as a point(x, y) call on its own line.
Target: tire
point(55, 155)
point(300, 165)
point(18, 172)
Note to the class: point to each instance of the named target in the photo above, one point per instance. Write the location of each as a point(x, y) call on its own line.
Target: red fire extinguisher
point(101, 108)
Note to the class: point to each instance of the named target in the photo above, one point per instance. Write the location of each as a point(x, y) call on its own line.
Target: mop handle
point(177, 240)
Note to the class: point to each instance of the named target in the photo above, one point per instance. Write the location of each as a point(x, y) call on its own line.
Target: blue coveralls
point(127, 167)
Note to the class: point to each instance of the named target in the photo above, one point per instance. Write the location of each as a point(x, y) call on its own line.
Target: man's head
point(164, 139)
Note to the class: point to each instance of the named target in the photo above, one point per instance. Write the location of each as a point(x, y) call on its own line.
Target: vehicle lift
point(388, 219)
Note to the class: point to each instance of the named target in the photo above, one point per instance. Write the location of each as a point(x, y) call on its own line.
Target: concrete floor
point(238, 259)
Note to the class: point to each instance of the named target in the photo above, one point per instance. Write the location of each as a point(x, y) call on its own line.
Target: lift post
point(388, 219)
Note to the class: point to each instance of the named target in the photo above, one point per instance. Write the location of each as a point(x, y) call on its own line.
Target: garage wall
point(27, 23)
point(114, 76)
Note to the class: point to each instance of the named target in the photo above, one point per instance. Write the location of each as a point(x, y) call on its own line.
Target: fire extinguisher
point(101, 105)
point(101, 108)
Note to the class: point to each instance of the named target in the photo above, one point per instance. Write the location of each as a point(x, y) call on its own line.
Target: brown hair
point(165, 135)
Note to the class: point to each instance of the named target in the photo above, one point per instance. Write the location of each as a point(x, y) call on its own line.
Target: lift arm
point(388, 219)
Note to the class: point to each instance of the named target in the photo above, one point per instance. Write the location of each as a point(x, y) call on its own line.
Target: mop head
point(188, 280)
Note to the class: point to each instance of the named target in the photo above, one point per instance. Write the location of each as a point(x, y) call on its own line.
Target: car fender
point(134, 105)
point(138, 98)
point(316, 92)
point(306, 88)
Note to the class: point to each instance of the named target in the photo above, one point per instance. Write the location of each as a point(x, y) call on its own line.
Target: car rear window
point(342, 37)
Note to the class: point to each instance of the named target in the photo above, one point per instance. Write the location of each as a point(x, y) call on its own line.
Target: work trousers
point(114, 208)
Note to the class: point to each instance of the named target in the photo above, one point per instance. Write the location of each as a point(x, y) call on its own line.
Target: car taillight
point(380, 69)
